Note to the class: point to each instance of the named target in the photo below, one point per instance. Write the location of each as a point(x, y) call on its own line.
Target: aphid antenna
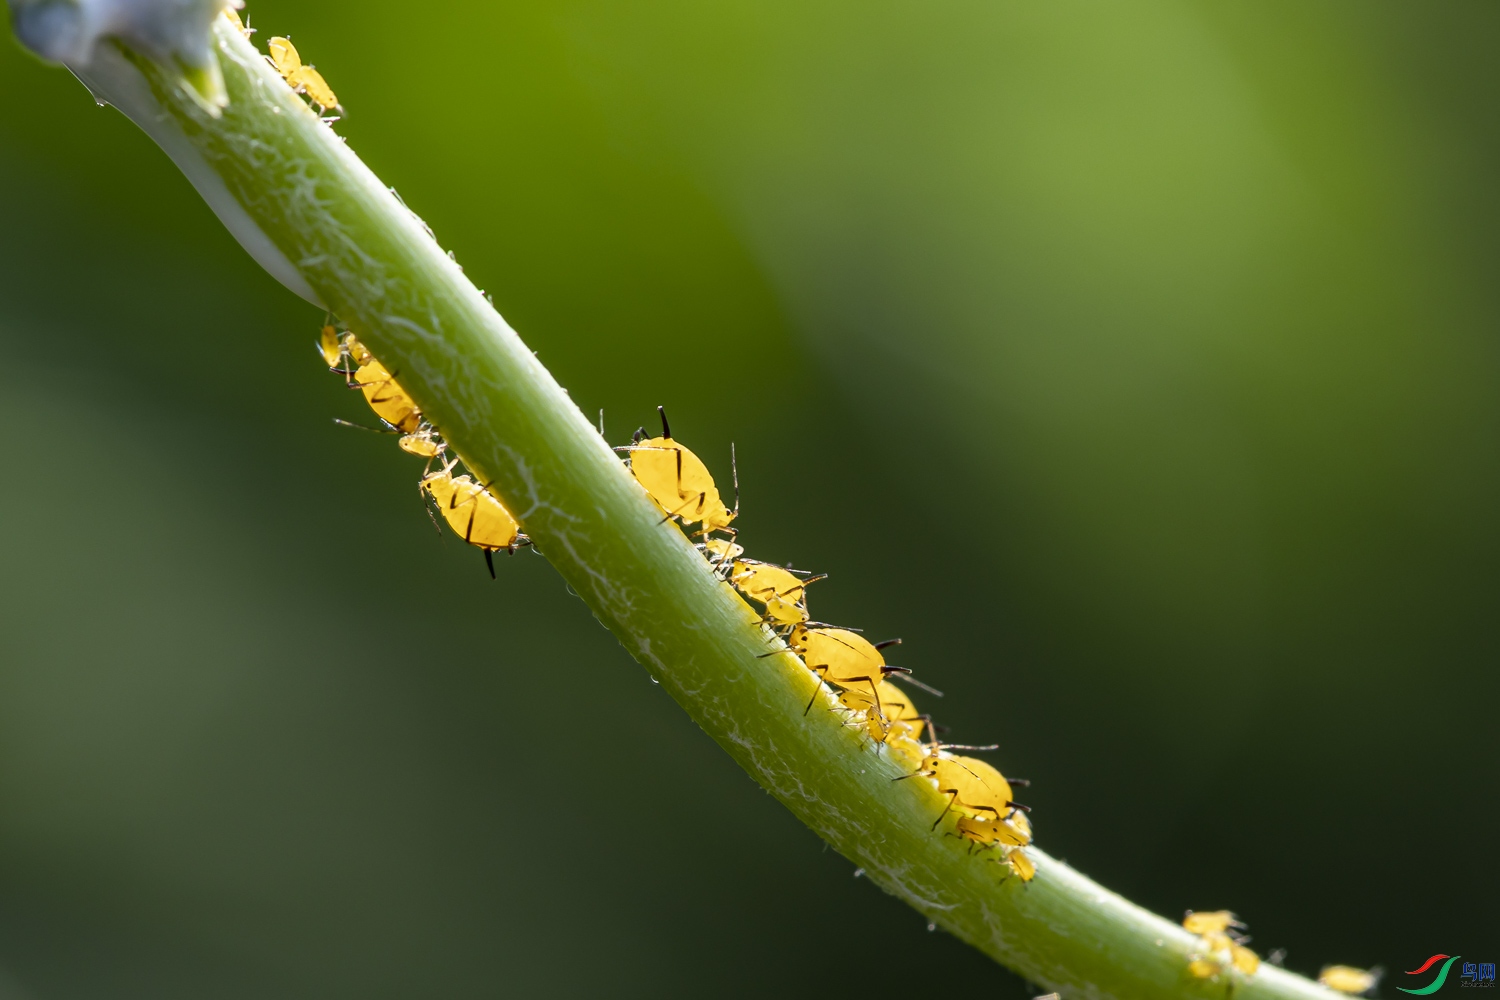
point(666, 428)
point(846, 628)
point(888, 642)
point(908, 679)
point(387, 429)
point(734, 470)
point(965, 746)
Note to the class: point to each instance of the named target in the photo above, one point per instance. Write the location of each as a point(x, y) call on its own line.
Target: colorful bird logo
point(1437, 983)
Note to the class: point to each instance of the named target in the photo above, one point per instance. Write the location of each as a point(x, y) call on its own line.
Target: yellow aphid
point(311, 83)
point(389, 401)
point(1013, 832)
point(678, 481)
point(424, 442)
point(1220, 946)
point(1021, 864)
point(474, 513)
point(1210, 922)
point(356, 351)
point(330, 346)
point(284, 56)
point(780, 591)
point(1348, 979)
point(889, 712)
point(1205, 968)
point(971, 789)
point(843, 658)
point(303, 79)
point(721, 553)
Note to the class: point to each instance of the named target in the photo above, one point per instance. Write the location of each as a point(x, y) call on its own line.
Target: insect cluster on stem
point(976, 796)
point(471, 510)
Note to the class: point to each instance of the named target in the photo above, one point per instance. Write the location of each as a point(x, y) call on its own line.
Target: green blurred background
point(1137, 363)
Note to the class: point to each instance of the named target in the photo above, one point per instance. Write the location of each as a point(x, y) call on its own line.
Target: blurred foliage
point(1137, 364)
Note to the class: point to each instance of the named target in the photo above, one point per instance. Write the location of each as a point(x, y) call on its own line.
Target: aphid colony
point(470, 509)
point(1221, 951)
point(1221, 945)
point(977, 795)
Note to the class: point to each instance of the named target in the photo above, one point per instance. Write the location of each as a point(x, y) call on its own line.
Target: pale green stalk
point(317, 218)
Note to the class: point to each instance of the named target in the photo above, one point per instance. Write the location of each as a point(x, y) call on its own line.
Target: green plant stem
point(359, 250)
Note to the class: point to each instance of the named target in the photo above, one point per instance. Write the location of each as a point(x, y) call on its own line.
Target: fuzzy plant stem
point(301, 202)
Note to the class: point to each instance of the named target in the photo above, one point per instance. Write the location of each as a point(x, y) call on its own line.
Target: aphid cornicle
point(303, 79)
point(474, 513)
point(678, 481)
point(843, 658)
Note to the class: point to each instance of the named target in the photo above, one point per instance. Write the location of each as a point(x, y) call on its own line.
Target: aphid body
point(1220, 946)
point(1021, 864)
point(889, 714)
point(1210, 922)
point(1014, 830)
point(678, 481)
point(780, 591)
point(721, 553)
point(389, 401)
point(1348, 979)
point(972, 787)
point(303, 79)
point(843, 658)
point(474, 513)
point(424, 441)
point(331, 346)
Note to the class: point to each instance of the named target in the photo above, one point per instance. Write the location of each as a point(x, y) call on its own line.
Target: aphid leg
point(601, 423)
point(428, 503)
point(875, 693)
point(952, 798)
point(696, 500)
point(816, 691)
point(639, 435)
